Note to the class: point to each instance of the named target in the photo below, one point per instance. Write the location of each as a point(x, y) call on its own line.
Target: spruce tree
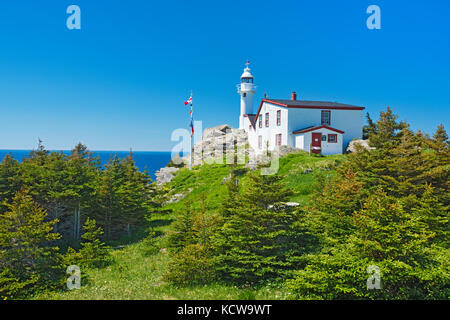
point(182, 233)
point(386, 129)
point(258, 240)
point(10, 180)
point(28, 258)
point(369, 128)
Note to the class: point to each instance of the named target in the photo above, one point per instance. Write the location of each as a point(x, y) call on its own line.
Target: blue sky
point(121, 80)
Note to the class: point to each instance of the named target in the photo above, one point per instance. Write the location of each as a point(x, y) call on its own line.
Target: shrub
point(28, 260)
point(190, 266)
point(149, 244)
point(93, 252)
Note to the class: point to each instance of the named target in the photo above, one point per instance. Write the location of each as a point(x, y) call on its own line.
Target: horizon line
point(91, 150)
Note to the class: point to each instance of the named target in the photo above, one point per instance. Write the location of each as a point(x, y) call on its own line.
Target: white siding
point(303, 141)
point(292, 119)
point(269, 134)
point(349, 121)
point(300, 141)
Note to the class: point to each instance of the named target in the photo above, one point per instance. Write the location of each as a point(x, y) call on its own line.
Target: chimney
point(294, 96)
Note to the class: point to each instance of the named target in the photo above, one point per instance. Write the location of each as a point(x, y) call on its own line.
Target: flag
point(189, 101)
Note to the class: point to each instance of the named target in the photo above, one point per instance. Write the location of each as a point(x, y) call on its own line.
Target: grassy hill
point(136, 273)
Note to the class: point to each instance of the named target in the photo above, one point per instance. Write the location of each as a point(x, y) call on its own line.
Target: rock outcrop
point(165, 175)
point(363, 143)
point(217, 142)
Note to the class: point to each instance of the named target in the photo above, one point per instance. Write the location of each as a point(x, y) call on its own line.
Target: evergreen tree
point(125, 197)
point(385, 235)
point(387, 207)
point(231, 201)
point(28, 259)
point(183, 233)
point(93, 252)
point(83, 177)
point(258, 240)
point(205, 224)
point(369, 128)
point(386, 129)
point(9, 181)
point(136, 193)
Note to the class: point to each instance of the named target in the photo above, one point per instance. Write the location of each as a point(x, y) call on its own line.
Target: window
point(278, 139)
point(267, 120)
point(249, 127)
point(326, 117)
point(279, 118)
point(332, 138)
point(260, 142)
point(260, 120)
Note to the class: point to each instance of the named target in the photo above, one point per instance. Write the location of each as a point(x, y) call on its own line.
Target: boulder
point(165, 175)
point(216, 142)
point(363, 143)
point(284, 150)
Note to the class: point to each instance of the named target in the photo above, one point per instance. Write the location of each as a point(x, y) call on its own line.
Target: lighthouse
point(247, 90)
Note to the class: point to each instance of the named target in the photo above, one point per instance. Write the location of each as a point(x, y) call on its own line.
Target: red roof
point(316, 128)
point(306, 104)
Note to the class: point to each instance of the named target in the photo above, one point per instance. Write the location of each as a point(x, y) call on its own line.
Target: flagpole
point(192, 134)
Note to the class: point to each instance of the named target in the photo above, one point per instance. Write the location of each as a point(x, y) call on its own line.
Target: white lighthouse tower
point(247, 90)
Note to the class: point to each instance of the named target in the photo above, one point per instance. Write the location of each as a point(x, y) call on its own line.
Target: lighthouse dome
point(246, 73)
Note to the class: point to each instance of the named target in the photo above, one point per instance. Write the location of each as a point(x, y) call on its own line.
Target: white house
point(314, 126)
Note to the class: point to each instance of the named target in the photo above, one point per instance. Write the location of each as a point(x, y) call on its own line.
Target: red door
point(316, 143)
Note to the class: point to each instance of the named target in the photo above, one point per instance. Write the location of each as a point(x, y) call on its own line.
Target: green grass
point(133, 274)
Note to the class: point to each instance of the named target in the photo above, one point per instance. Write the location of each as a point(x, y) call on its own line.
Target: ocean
point(150, 160)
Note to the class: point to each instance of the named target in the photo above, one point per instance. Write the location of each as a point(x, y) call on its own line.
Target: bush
point(93, 252)
point(387, 208)
point(190, 266)
point(149, 244)
point(28, 260)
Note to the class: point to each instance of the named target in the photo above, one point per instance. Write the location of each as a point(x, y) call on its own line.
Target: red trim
point(249, 119)
point(314, 145)
point(326, 108)
point(329, 117)
point(334, 135)
point(278, 142)
point(273, 102)
point(316, 128)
